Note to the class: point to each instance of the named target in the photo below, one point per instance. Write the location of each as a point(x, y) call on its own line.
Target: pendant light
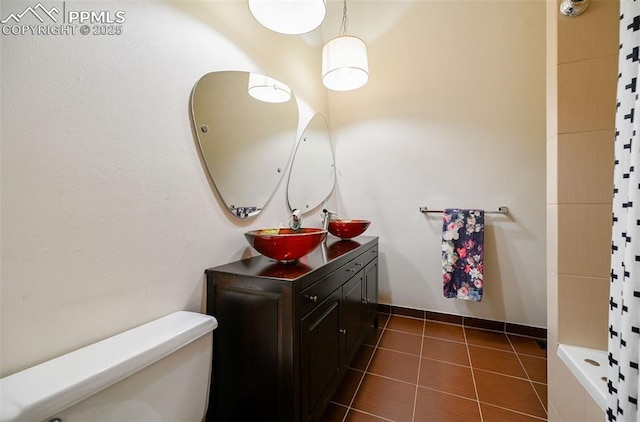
point(344, 60)
point(267, 89)
point(290, 17)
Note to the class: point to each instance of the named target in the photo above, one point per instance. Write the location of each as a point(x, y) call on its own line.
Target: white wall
point(453, 116)
point(108, 218)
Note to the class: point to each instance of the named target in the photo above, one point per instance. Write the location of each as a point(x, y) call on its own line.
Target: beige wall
point(453, 116)
point(582, 62)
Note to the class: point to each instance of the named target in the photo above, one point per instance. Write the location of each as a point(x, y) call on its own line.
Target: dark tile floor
point(414, 370)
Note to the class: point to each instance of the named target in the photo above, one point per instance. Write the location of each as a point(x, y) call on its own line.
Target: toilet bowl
point(159, 371)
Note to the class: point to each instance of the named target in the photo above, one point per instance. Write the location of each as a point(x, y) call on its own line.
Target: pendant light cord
point(345, 21)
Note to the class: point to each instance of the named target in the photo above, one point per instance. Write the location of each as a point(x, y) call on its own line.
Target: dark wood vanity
point(288, 331)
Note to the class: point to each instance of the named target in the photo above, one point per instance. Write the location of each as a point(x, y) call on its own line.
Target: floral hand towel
point(462, 253)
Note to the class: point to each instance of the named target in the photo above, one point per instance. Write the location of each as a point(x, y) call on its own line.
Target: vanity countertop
point(333, 251)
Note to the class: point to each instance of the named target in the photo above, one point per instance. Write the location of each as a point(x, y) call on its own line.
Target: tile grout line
point(526, 378)
point(447, 362)
point(398, 351)
point(371, 414)
point(507, 351)
point(517, 411)
point(502, 374)
point(415, 396)
point(473, 376)
point(529, 378)
point(449, 394)
point(364, 373)
point(373, 374)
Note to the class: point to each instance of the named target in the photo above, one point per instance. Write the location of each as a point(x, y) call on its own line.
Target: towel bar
point(504, 210)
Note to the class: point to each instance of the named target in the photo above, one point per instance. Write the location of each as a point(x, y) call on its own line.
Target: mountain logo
point(39, 11)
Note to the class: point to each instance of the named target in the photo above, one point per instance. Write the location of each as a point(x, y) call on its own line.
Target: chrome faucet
point(326, 216)
point(295, 220)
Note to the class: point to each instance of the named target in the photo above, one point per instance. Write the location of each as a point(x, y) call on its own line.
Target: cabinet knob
point(313, 298)
point(343, 331)
point(358, 264)
point(364, 301)
point(351, 270)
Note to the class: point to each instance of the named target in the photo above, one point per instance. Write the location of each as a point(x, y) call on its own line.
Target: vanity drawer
point(317, 293)
point(368, 256)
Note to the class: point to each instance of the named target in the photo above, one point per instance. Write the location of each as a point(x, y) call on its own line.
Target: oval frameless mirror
point(245, 140)
point(312, 175)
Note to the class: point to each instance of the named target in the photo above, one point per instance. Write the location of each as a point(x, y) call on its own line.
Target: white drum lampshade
point(344, 63)
point(267, 89)
point(290, 17)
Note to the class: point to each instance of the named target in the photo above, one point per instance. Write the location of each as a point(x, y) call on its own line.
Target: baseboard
point(466, 321)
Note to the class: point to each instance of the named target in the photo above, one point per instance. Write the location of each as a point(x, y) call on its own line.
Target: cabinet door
point(320, 359)
point(352, 311)
point(371, 293)
point(249, 356)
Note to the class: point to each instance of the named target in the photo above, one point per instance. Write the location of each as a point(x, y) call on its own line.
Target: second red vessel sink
point(347, 229)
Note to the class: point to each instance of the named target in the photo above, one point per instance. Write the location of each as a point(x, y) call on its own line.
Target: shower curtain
point(624, 301)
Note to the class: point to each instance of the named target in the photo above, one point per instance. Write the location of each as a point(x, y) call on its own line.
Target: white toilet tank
point(159, 371)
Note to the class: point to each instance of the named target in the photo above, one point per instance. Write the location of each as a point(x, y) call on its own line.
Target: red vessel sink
point(346, 229)
point(285, 244)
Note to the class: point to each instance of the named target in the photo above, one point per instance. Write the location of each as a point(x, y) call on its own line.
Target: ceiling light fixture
point(290, 17)
point(344, 60)
point(573, 8)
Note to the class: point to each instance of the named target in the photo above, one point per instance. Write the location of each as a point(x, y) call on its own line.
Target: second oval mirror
point(312, 174)
point(246, 126)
